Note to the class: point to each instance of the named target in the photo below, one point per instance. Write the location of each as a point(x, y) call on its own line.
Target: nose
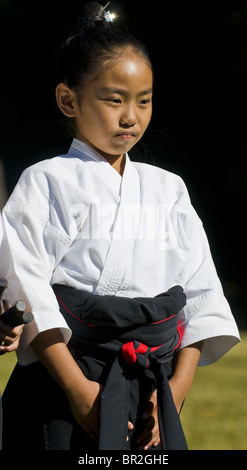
point(128, 117)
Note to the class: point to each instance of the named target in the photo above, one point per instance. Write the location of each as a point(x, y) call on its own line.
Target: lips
point(125, 135)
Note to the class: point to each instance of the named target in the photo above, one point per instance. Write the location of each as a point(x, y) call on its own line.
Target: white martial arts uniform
point(74, 220)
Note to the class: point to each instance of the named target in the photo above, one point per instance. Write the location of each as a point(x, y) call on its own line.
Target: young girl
point(90, 240)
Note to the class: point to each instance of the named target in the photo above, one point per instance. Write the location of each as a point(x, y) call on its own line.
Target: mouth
point(126, 135)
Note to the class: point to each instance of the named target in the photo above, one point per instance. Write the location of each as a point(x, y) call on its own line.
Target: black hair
point(94, 43)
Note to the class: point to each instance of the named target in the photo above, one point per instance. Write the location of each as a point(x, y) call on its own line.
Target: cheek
point(101, 119)
point(146, 118)
point(91, 122)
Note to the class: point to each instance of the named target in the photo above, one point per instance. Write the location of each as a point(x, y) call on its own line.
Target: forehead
point(130, 71)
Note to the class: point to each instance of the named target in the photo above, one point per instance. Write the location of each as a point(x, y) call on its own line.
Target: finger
point(149, 434)
point(130, 426)
point(149, 441)
point(154, 442)
point(8, 333)
point(9, 342)
point(6, 305)
point(17, 331)
point(148, 428)
point(10, 347)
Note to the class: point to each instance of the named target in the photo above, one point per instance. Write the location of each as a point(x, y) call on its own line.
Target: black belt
point(139, 336)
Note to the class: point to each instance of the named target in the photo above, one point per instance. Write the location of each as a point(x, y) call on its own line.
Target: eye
point(114, 100)
point(145, 102)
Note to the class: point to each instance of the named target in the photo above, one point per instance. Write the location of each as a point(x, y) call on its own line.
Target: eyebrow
point(120, 91)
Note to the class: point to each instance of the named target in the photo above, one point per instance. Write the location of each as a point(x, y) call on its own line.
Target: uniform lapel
point(116, 269)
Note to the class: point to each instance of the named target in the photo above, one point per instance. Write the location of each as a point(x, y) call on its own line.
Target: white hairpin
point(109, 17)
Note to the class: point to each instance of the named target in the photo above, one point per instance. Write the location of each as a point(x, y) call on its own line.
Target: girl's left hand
point(150, 435)
point(9, 336)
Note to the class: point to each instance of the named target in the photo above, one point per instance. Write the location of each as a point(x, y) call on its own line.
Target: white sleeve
point(207, 315)
point(30, 250)
point(1, 229)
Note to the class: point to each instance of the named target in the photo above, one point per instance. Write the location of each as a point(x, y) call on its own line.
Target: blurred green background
point(215, 412)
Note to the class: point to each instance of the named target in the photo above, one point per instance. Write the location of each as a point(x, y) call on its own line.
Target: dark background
point(199, 124)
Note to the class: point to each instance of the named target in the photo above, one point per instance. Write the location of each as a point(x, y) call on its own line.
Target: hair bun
point(90, 14)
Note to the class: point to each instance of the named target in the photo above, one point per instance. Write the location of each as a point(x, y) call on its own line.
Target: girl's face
point(114, 107)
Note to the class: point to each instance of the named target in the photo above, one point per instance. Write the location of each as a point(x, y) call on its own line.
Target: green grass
point(7, 363)
point(214, 415)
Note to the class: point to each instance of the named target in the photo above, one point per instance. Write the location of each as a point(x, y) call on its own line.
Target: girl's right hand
point(85, 406)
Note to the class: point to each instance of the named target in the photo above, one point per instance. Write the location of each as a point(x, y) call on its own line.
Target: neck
point(117, 162)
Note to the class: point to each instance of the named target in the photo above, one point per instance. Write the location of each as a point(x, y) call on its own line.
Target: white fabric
point(1, 228)
point(74, 220)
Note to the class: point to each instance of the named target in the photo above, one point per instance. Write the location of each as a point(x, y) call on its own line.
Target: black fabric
point(1, 424)
point(102, 326)
point(32, 401)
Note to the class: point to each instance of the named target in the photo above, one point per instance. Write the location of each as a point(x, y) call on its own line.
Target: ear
point(66, 100)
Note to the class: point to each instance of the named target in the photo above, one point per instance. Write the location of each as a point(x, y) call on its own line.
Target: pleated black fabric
point(142, 334)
